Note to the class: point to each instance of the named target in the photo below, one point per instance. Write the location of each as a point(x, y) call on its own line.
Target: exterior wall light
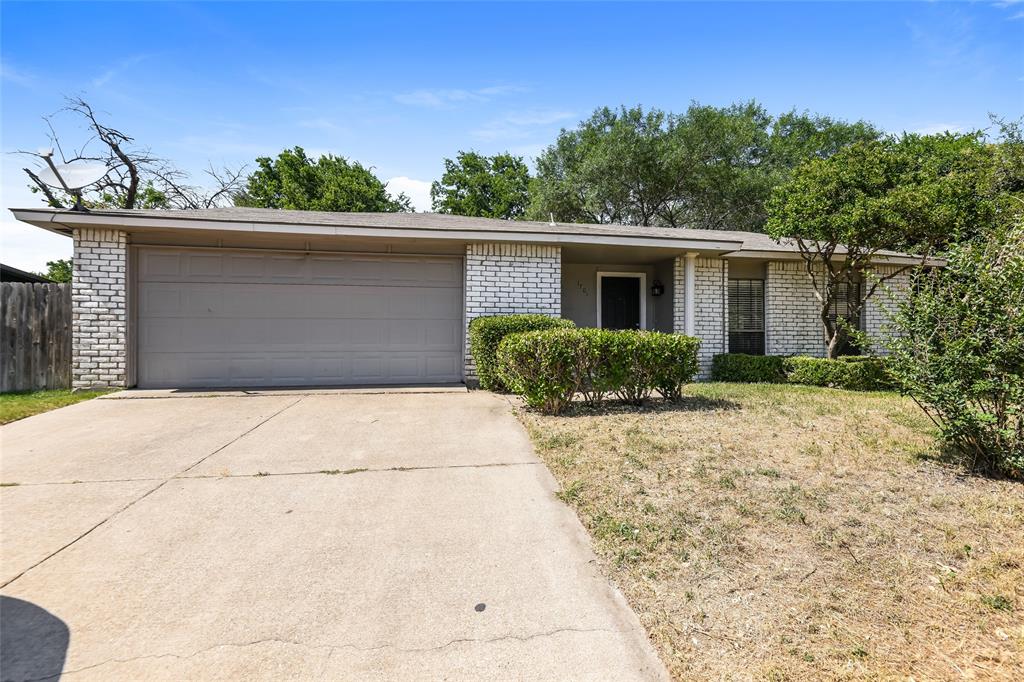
point(657, 288)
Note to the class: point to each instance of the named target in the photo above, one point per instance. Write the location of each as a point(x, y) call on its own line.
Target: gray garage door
point(249, 318)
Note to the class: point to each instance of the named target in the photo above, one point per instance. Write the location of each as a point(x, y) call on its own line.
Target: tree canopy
point(711, 167)
point(329, 183)
point(912, 194)
point(484, 186)
point(59, 270)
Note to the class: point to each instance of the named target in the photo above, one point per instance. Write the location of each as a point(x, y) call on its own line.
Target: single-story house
point(262, 297)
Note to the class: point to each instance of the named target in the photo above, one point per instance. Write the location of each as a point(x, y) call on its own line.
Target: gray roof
point(431, 221)
point(752, 242)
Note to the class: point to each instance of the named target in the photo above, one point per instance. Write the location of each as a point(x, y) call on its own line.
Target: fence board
point(36, 336)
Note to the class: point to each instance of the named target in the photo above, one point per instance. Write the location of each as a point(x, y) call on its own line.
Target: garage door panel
point(285, 319)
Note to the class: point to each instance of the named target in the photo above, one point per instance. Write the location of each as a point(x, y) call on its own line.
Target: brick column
point(99, 349)
point(710, 296)
point(505, 279)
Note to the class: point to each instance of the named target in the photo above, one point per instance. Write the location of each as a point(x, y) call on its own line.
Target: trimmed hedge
point(544, 366)
point(549, 367)
point(855, 373)
point(486, 333)
point(750, 369)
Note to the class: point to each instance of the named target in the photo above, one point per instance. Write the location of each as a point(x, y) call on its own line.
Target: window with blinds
point(746, 316)
point(846, 299)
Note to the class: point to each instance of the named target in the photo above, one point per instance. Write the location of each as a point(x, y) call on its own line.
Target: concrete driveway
point(288, 535)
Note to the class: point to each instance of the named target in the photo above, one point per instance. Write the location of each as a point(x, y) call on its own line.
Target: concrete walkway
point(286, 536)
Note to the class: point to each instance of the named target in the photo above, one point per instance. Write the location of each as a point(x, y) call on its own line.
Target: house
point(9, 274)
point(261, 297)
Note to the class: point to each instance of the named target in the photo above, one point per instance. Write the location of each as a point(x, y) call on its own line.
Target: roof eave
point(65, 222)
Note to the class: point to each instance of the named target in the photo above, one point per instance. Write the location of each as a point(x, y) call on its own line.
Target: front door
point(620, 302)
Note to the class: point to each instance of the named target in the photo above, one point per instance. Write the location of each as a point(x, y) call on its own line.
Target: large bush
point(549, 367)
point(675, 363)
point(545, 367)
point(959, 350)
point(486, 333)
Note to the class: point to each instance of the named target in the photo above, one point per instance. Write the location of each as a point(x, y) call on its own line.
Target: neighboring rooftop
point(9, 274)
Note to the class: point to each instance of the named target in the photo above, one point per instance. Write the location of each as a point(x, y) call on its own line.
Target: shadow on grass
point(966, 465)
point(653, 405)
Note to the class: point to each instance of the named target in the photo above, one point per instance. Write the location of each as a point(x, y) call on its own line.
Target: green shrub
point(632, 351)
point(816, 371)
point(868, 373)
point(545, 367)
point(851, 373)
point(959, 350)
point(675, 363)
point(486, 333)
point(607, 371)
point(752, 369)
point(855, 373)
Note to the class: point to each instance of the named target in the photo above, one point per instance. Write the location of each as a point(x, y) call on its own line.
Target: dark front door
point(620, 302)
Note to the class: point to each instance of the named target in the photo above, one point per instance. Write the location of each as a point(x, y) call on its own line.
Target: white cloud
point(443, 98)
point(115, 70)
point(322, 123)
point(519, 125)
point(936, 128)
point(16, 76)
point(417, 190)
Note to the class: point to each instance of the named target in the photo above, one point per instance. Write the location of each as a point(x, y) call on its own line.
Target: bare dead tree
point(137, 178)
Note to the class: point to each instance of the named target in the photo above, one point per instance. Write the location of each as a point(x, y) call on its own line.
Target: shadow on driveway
point(33, 641)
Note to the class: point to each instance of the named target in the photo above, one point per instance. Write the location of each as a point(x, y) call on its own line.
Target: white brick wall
point(505, 279)
point(877, 308)
point(99, 350)
point(791, 310)
point(711, 292)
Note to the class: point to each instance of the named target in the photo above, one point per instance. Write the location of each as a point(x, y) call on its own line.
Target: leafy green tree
point(710, 168)
point(616, 167)
point(721, 165)
point(959, 352)
point(797, 137)
point(914, 194)
point(59, 270)
point(329, 183)
point(483, 186)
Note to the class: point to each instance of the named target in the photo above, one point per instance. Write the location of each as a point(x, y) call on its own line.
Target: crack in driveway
point(268, 474)
point(149, 492)
point(331, 648)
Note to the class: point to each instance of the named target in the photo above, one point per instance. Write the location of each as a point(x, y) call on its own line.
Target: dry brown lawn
point(791, 533)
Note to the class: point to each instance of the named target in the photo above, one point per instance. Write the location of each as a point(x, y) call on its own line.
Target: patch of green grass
point(997, 602)
point(571, 492)
point(15, 406)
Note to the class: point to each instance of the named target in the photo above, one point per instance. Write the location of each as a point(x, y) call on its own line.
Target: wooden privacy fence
point(36, 336)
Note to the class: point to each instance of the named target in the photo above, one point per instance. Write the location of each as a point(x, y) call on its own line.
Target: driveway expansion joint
point(145, 495)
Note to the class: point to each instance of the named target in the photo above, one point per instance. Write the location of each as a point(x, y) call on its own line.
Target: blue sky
point(401, 86)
